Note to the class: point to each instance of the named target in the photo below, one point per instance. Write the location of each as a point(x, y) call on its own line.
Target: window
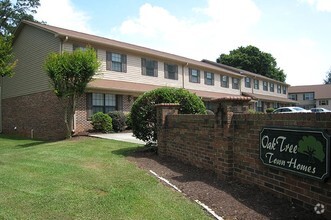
point(149, 67)
point(170, 71)
point(225, 81)
point(235, 83)
point(272, 87)
point(78, 47)
point(116, 62)
point(194, 75)
point(284, 90)
point(103, 102)
point(293, 96)
point(259, 106)
point(323, 102)
point(279, 89)
point(256, 84)
point(265, 86)
point(209, 78)
point(308, 96)
point(247, 82)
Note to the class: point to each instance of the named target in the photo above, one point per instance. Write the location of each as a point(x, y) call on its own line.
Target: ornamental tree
point(143, 111)
point(69, 74)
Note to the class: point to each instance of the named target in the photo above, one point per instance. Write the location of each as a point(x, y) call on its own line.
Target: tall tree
point(327, 79)
point(251, 59)
point(11, 14)
point(69, 74)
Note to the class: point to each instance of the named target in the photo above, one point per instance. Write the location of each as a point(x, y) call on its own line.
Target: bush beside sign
point(300, 151)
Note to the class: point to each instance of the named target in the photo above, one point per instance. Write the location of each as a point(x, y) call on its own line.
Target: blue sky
point(296, 32)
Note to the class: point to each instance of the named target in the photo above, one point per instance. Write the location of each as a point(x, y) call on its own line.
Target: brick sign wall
point(231, 148)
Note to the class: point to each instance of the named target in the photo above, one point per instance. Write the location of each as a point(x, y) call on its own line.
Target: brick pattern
point(231, 150)
point(127, 103)
point(82, 122)
point(39, 115)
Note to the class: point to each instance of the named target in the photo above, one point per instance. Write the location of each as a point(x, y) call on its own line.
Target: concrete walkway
point(127, 137)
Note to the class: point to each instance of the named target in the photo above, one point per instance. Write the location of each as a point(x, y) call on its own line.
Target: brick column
point(162, 110)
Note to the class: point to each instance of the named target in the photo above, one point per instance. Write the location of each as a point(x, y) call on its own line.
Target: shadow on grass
point(187, 177)
point(31, 142)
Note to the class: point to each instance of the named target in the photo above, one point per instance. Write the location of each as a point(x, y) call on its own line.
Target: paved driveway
point(127, 137)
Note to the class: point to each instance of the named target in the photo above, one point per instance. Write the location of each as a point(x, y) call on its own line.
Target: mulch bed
point(230, 200)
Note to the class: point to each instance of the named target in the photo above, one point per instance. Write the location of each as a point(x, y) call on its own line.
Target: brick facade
point(229, 145)
point(82, 122)
point(38, 115)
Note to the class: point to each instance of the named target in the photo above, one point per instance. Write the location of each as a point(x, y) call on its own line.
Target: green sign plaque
point(300, 151)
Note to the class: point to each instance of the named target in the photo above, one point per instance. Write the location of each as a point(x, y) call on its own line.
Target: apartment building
point(311, 96)
point(30, 107)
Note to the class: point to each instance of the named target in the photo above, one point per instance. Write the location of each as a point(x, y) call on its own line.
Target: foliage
point(143, 112)
point(118, 120)
point(128, 121)
point(102, 122)
point(270, 110)
point(251, 59)
point(327, 79)
point(83, 179)
point(69, 74)
point(311, 147)
point(7, 59)
point(11, 14)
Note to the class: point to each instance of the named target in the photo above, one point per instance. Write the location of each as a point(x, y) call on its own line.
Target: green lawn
point(82, 179)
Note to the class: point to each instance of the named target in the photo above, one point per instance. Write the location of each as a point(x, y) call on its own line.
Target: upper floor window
point(308, 96)
point(293, 96)
point(235, 83)
point(284, 89)
point(271, 87)
point(116, 62)
point(209, 78)
point(265, 86)
point(170, 71)
point(256, 84)
point(194, 75)
point(225, 81)
point(247, 82)
point(323, 102)
point(279, 89)
point(149, 67)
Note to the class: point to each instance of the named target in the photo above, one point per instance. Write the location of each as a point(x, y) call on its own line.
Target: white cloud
point(224, 24)
point(301, 59)
point(62, 13)
point(320, 5)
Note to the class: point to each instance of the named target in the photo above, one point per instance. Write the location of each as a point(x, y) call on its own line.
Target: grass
point(82, 179)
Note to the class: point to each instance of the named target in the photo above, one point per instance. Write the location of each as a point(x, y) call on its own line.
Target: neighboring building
point(312, 96)
point(30, 108)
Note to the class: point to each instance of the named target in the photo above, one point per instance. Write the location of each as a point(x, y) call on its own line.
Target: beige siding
point(261, 91)
point(30, 48)
point(210, 88)
point(133, 73)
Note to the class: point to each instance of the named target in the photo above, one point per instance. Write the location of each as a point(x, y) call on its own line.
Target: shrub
point(118, 120)
point(269, 110)
point(102, 122)
point(143, 112)
point(128, 121)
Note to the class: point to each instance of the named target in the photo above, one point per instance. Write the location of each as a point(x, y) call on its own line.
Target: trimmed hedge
point(143, 112)
point(102, 122)
point(118, 120)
